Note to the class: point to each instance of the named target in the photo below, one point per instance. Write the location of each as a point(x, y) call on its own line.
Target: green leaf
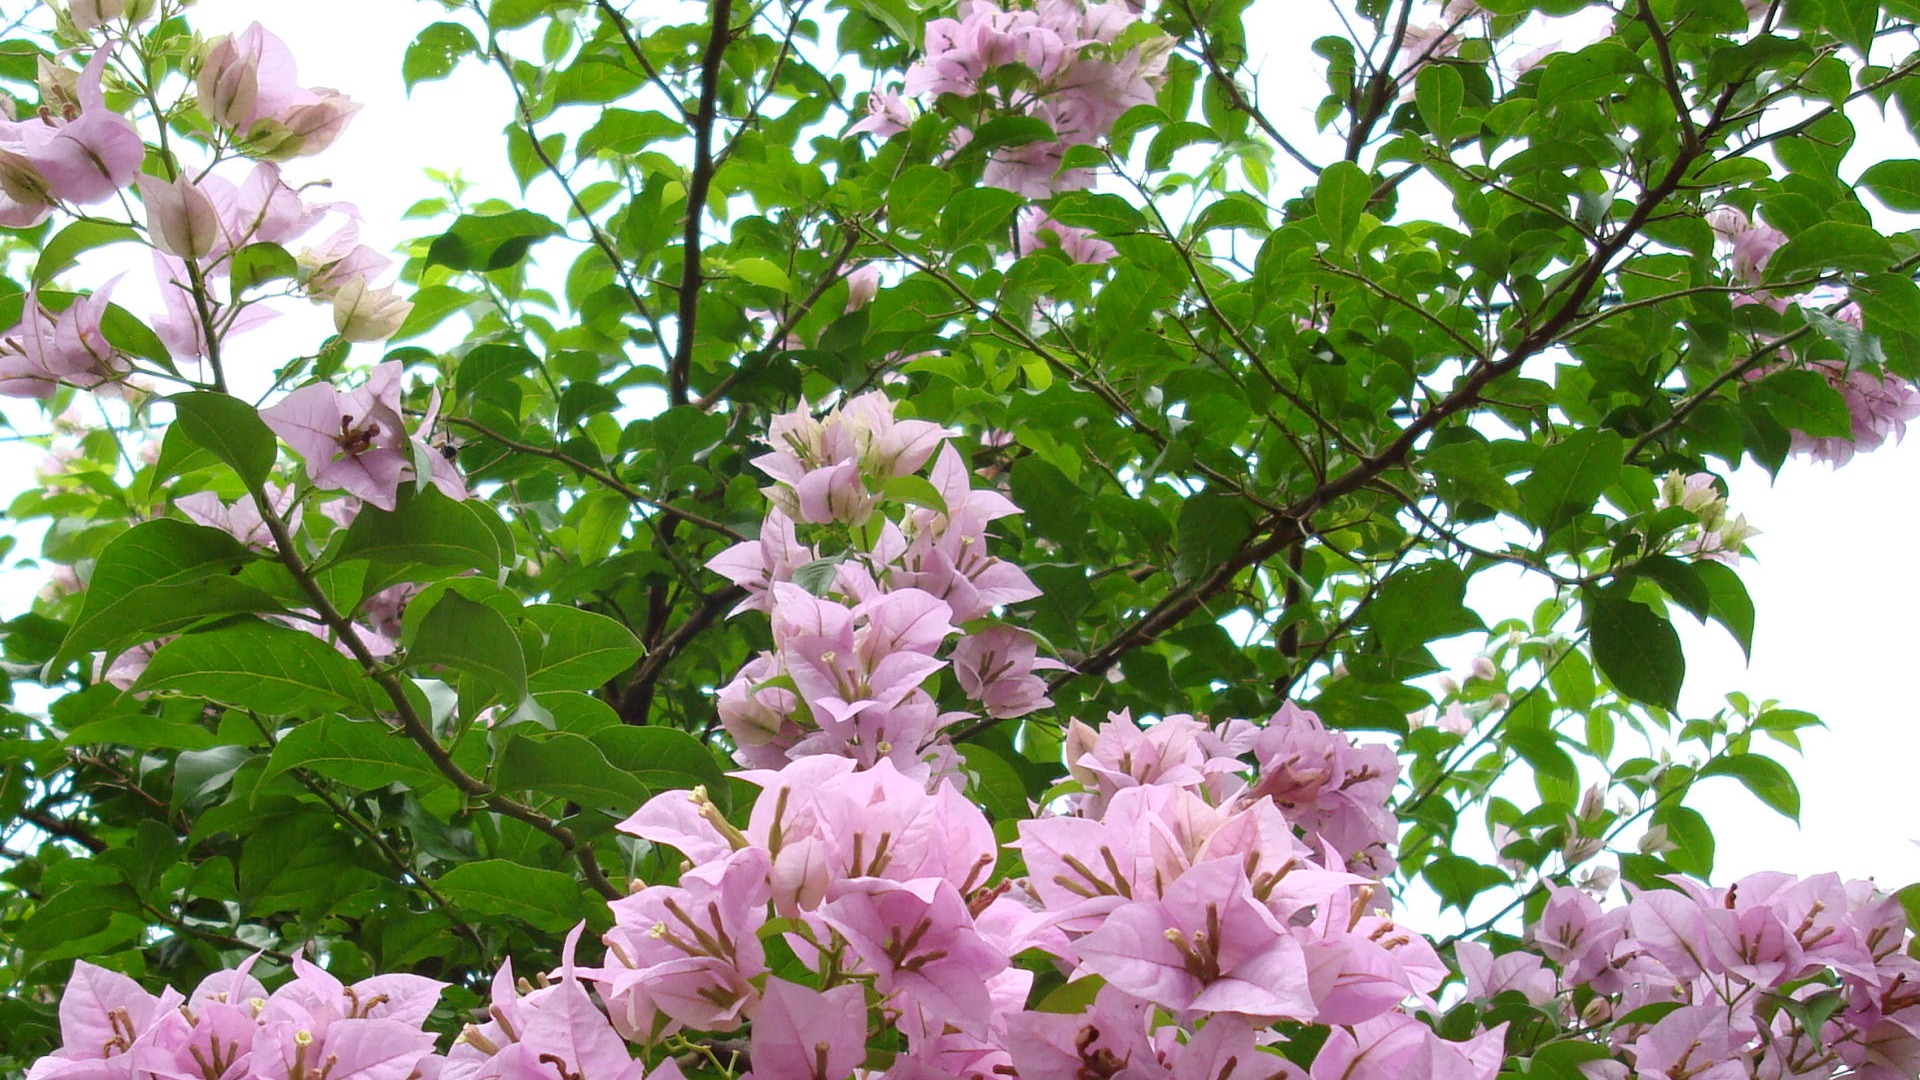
point(257, 264)
point(1833, 245)
point(977, 213)
point(916, 196)
point(624, 131)
point(473, 639)
point(1769, 781)
point(914, 490)
point(79, 911)
point(817, 576)
point(995, 784)
point(431, 306)
point(66, 246)
point(1458, 879)
point(269, 669)
point(1594, 71)
point(229, 429)
point(158, 577)
point(426, 530)
point(435, 51)
point(130, 334)
point(1687, 829)
point(1417, 604)
point(1210, 528)
point(1339, 198)
point(1438, 91)
point(562, 765)
point(1853, 21)
point(1637, 650)
point(663, 759)
point(570, 649)
point(757, 271)
point(1730, 606)
point(543, 899)
point(1805, 402)
point(1569, 476)
point(364, 754)
point(1896, 183)
point(490, 241)
point(1562, 1060)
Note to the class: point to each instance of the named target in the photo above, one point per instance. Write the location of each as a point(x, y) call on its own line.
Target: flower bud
point(361, 313)
point(1655, 841)
point(305, 129)
point(1579, 849)
point(230, 83)
point(181, 220)
point(92, 14)
point(59, 88)
point(863, 284)
point(1593, 803)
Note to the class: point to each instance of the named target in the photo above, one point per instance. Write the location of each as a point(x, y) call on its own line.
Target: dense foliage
point(938, 543)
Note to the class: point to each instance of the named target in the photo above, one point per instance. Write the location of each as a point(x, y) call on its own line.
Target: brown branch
point(794, 313)
point(600, 239)
point(619, 22)
point(66, 830)
point(606, 479)
point(412, 723)
point(698, 185)
point(637, 700)
point(1288, 526)
point(1670, 72)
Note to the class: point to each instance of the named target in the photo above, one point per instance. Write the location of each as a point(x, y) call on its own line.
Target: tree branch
point(411, 722)
point(698, 185)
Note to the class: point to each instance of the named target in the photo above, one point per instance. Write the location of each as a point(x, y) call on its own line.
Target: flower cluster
point(1035, 231)
point(1879, 407)
point(312, 1027)
point(1878, 404)
point(1716, 537)
point(204, 224)
point(78, 152)
point(1772, 976)
point(848, 669)
point(1188, 891)
point(1073, 74)
point(1209, 897)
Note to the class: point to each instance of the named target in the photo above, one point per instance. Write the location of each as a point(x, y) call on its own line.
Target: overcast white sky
point(1830, 579)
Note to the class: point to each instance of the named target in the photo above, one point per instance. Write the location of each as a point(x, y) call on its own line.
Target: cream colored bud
point(361, 313)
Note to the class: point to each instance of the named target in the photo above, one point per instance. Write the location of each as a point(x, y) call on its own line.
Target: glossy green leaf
point(545, 899)
point(158, 577)
point(364, 754)
point(570, 649)
point(435, 52)
point(229, 429)
point(1637, 649)
point(249, 664)
point(490, 241)
point(472, 639)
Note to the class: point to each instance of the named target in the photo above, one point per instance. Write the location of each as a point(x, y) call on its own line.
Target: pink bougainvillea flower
point(248, 83)
point(1206, 944)
point(806, 1034)
point(83, 152)
point(71, 348)
point(241, 518)
point(355, 441)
